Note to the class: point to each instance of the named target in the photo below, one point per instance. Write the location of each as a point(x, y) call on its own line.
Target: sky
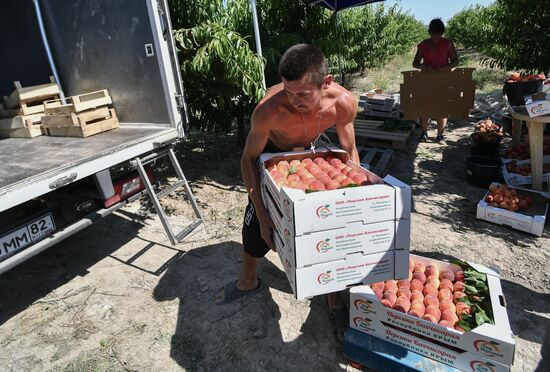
point(426, 10)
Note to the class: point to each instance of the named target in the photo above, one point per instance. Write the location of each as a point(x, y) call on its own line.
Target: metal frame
point(182, 181)
point(165, 66)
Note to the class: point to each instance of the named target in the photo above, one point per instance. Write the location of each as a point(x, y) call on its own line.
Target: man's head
point(436, 29)
point(304, 71)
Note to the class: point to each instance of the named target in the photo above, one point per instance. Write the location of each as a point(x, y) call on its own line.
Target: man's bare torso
point(289, 128)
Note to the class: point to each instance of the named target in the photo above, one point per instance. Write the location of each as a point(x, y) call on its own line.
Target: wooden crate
point(87, 126)
point(377, 160)
point(8, 113)
point(29, 132)
point(368, 134)
point(78, 103)
point(22, 95)
point(20, 121)
point(73, 119)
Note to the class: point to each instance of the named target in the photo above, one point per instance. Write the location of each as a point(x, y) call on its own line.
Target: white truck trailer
point(52, 187)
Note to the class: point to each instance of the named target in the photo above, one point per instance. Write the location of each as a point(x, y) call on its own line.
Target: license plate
point(26, 235)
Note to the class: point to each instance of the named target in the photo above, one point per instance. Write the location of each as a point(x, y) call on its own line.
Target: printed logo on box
point(323, 211)
point(325, 278)
point(363, 305)
point(362, 323)
point(489, 348)
point(539, 109)
point(323, 246)
point(479, 366)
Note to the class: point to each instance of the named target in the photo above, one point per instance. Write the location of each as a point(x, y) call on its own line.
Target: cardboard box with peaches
point(430, 324)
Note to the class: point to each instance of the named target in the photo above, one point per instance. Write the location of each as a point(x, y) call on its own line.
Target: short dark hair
point(301, 59)
point(436, 26)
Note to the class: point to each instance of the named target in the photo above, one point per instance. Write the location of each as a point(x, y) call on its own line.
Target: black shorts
point(253, 243)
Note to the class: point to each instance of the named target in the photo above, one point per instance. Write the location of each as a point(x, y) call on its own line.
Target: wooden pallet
point(86, 125)
point(29, 132)
point(22, 95)
point(367, 134)
point(377, 160)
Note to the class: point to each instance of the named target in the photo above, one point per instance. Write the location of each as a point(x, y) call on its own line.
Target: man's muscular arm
point(255, 143)
point(344, 126)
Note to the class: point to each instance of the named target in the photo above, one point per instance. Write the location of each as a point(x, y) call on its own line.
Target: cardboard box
point(437, 94)
point(381, 98)
point(531, 221)
point(334, 276)
point(335, 244)
point(516, 179)
point(387, 199)
point(538, 104)
point(488, 343)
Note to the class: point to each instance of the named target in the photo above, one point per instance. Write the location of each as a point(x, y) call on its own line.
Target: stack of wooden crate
point(379, 105)
point(22, 111)
point(84, 115)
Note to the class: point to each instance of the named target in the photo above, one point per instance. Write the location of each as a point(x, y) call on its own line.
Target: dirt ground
point(118, 297)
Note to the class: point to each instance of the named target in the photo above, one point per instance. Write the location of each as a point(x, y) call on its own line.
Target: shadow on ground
point(245, 334)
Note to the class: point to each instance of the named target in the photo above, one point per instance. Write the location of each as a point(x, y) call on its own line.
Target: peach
point(307, 161)
point(379, 285)
point(295, 162)
point(431, 300)
point(308, 181)
point(446, 323)
point(410, 277)
point(293, 178)
point(346, 170)
point(319, 160)
point(317, 186)
point(418, 309)
point(336, 162)
point(432, 279)
point(416, 284)
point(445, 294)
point(411, 265)
point(386, 302)
point(339, 178)
point(430, 318)
point(391, 284)
point(403, 283)
point(459, 286)
point(446, 283)
point(404, 291)
point(447, 315)
point(390, 296)
point(377, 293)
point(462, 308)
point(459, 329)
point(325, 180)
point(459, 276)
point(447, 305)
point(333, 172)
point(417, 295)
point(430, 289)
point(332, 185)
point(402, 304)
point(341, 167)
point(447, 274)
point(314, 170)
point(419, 266)
point(351, 174)
point(434, 311)
point(457, 296)
point(283, 164)
point(359, 179)
point(346, 182)
point(432, 270)
point(419, 276)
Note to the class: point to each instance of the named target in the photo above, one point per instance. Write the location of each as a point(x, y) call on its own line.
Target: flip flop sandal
point(339, 320)
point(231, 292)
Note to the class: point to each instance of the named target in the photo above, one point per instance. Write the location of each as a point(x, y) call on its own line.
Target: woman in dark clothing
point(435, 54)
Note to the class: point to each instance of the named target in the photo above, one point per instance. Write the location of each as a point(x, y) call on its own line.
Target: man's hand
point(266, 227)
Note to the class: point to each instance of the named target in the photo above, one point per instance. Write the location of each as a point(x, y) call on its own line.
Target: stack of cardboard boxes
point(380, 105)
point(330, 240)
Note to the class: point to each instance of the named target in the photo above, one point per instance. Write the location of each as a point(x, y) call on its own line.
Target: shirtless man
point(292, 114)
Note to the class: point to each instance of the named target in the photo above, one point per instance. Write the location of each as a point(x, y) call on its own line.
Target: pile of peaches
point(316, 174)
point(428, 293)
